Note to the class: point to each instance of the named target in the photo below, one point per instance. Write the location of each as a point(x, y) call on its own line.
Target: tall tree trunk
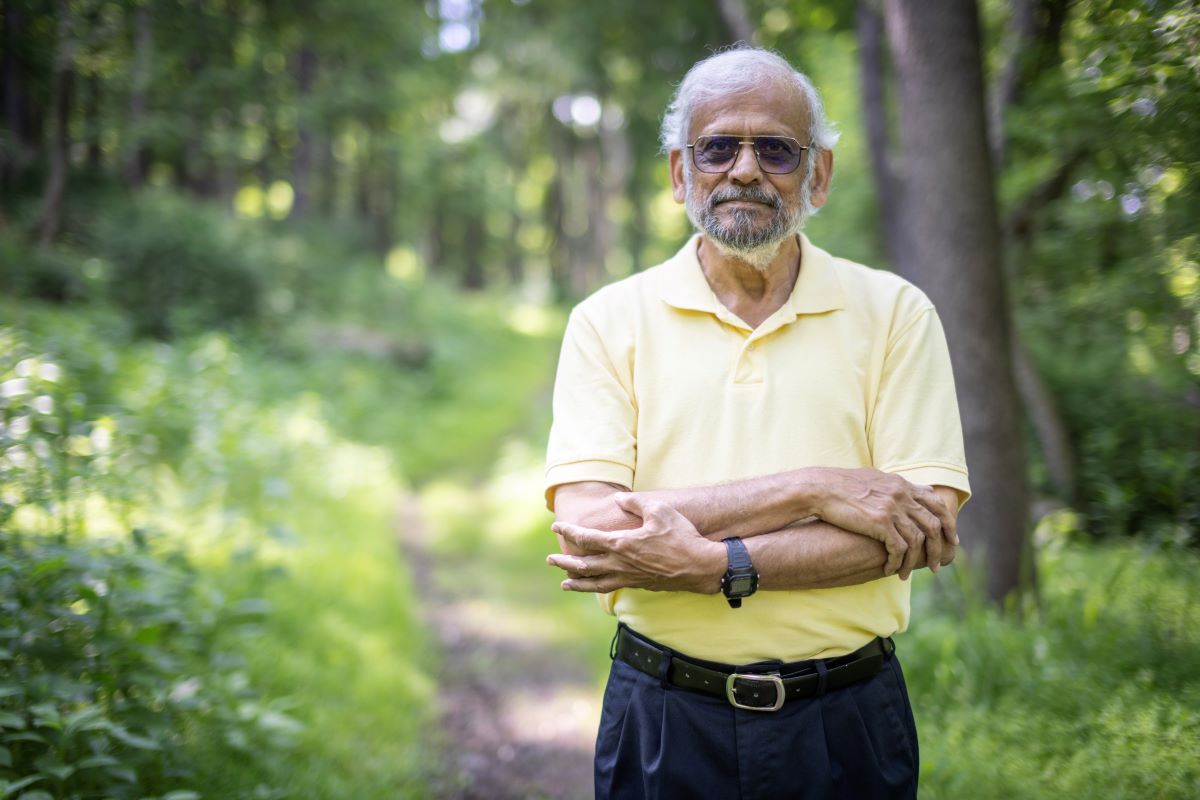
point(54, 193)
point(736, 16)
point(302, 160)
point(1032, 44)
point(872, 55)
point(95, 155)
point(474, 235)
point(936, 46)
point(13, 158)
point(137, 163)
point(327, 184)
point(514, 261)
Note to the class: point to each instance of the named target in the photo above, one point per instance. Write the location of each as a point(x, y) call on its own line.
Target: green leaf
point(123, 773)
point(37, 794)
point(11, 720)
point(97, 761)
point(10, 690)
point(252, 607)
point(181, 794)
point(5, 757)
point(10, 789)
point(90, 718)
point(50, 565)
point(25, 736)
point(133, 740)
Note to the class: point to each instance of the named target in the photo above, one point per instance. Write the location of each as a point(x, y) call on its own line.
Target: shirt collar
point(817, 290)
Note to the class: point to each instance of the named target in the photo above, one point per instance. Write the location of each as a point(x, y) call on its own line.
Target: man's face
point(746, 210)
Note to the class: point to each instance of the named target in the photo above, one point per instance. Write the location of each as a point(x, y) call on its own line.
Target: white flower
point(14, 387)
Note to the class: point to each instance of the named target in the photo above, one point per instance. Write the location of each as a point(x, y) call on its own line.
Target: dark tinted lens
point(777, 154)
point(713, 153)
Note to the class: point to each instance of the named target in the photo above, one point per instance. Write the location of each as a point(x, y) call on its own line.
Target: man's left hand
point(666, 553)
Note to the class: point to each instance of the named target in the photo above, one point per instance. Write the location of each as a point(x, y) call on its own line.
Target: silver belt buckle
point(774, 680)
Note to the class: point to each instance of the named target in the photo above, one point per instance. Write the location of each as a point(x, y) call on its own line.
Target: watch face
point(741, 585)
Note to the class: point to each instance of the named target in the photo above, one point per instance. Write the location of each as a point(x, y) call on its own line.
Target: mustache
point(752, 193)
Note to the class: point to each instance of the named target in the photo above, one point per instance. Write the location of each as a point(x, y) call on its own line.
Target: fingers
point(606, 583)
point(934, 538)
point(933, 502)
point(896, 548)
point(582, 566)
point(587, 539)
point(915, 539)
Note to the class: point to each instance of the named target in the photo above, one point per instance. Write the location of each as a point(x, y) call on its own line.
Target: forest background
point(283, 285)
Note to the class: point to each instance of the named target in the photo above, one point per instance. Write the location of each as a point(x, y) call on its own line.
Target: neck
point(753, 291)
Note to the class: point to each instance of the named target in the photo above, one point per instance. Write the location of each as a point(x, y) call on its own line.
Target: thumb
point(631, 502)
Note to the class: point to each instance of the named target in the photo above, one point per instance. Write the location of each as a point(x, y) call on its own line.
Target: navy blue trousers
point(660, 743)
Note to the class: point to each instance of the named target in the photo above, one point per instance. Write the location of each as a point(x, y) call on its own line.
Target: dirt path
point(518, 718)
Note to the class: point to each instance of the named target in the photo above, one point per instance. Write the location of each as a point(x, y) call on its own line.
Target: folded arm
point(612, 539)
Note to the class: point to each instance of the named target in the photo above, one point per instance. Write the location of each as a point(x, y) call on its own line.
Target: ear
point(678, 187)
point(821, 178)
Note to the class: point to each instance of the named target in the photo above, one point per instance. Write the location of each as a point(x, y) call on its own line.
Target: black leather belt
point(756, 687)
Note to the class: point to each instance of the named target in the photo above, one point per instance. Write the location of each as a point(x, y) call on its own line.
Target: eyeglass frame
point(752, 141)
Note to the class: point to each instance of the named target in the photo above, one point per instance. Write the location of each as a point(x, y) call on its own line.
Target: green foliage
point(178, 266)
point(114, 650)
point(1107, 292)
point(110, 655)
point(1091, 693)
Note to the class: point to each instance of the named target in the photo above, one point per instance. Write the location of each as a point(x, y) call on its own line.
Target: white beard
point(756, 248)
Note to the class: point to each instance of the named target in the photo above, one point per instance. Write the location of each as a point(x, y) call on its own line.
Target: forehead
point(774, 107)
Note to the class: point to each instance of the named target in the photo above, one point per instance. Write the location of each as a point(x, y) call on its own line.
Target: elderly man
point(754, 445)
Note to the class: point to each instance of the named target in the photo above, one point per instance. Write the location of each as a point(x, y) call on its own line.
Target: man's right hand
point(910, 520)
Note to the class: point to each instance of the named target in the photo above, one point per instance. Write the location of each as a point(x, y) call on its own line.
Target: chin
point(758, 256)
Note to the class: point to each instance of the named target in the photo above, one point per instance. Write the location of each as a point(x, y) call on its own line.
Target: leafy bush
point(1091, 693)
point(110, 656)
point(114, 652)
point(45, 273)
point(178, 265)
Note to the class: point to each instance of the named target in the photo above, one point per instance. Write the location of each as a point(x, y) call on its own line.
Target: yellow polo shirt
point(660, 386)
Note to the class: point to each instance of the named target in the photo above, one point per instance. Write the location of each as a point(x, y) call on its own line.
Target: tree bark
point(738, 22)
point(937, 52)
point(91, 114)
point(14, 159)
point(872, 54)
point(302, 161)
point(1033, 44)
point(54, 193)
point(137, 163)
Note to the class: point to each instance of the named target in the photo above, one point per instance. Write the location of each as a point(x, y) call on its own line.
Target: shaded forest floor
point(518, 714)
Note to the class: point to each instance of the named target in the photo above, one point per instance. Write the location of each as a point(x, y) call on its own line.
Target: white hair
point(734, 70)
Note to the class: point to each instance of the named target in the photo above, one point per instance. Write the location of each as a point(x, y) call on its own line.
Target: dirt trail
point(518, 718)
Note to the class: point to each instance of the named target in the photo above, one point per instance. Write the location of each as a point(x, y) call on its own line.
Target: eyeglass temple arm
point(750, 142)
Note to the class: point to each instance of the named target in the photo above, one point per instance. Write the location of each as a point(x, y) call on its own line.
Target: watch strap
point(740, 566)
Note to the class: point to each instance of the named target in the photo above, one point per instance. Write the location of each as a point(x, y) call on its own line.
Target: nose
point(745, 167)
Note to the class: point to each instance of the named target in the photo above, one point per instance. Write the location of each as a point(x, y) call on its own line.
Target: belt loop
point(821, 671)
point(612, 647)
point(889, 648)
point(664, 667)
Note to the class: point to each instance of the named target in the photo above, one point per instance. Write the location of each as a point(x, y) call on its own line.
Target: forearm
point(816, 555)
point(748, 507)
point(591, 504)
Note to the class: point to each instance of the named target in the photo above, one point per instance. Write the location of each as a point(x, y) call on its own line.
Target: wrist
point(741, 578)
point(712, 565)
point(809, 492)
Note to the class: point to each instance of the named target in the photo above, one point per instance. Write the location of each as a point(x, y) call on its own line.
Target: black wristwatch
point(740, 579)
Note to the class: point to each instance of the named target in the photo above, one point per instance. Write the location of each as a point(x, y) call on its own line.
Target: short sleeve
point(593, 436)
point(914, 428)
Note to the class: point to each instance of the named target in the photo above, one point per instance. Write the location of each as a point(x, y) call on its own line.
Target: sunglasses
point(777, 155)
